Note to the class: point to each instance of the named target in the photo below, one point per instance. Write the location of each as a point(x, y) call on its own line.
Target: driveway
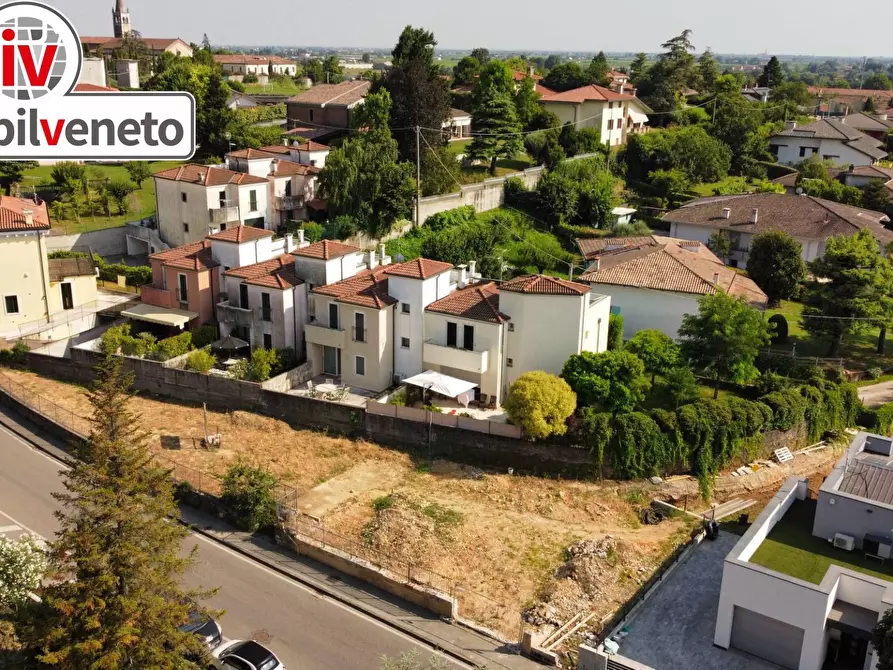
point(674, 628)
point(876, 394)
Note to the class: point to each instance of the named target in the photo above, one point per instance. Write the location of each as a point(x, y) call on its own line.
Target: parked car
point(205, 627)
point(246, 655)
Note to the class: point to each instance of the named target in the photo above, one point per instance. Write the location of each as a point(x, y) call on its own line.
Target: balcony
point(159, 297)
point(234, 315)
point(288, 202)
point(453, 357)
point(224, 214)
point(327, 337)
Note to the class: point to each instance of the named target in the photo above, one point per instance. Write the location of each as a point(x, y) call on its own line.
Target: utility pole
point(714, 109)
point(570, 271)
point(418, 176)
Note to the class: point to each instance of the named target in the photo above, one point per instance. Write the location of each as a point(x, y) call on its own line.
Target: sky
point(757, 26)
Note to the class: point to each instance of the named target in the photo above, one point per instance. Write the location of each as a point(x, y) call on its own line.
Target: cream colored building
point(615, 115)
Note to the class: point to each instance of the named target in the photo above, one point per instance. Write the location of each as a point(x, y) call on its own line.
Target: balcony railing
point(316, 333)
point(219, 215)
point(235, 315)
point(287, 202)
point(167, 298)
point(359, 334)
point(452, 357)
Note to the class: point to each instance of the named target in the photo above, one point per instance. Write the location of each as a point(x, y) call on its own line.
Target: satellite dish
point(399, 258)
point(799, 190)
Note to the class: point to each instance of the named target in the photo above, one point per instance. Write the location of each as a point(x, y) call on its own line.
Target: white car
point(246, 655)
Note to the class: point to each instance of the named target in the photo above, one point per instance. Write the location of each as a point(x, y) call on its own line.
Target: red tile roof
point(208, 176)
point(286, 168)
point(85, 87)
point(585, 93)
point(247, 59)
point(521, 76)
point(367, 289)
point(153, 43)
point(277, 149)
point(479, 303)
point(590, 247)
point(239, 234)
point(251, 154)
point(313, 146)
point(278, 273)
point(543, 285)
point(342, 95)
point(12, 214)
point(420, 268)
point(326, 250)
point(195, 256)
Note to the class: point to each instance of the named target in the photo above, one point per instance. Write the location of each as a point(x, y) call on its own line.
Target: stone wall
point(483, 197)
point(105, 242)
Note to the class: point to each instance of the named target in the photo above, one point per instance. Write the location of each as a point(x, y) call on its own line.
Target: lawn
point(274, 88)
point(791, 549)
point(458, 147)
point(142, 200)
point(475, 174)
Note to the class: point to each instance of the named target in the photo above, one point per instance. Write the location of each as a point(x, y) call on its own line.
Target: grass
point(274, 88)
point(458, 147)
point(143, 200)
point(792, 549)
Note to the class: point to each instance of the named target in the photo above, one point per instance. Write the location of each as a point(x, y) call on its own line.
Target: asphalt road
point(306, 630)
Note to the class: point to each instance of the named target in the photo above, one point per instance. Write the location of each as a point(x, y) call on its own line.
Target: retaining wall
point(105, 242)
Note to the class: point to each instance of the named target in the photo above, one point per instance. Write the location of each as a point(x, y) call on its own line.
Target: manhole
point(261, 636)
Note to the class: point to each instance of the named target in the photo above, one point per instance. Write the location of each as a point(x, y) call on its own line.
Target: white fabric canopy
point(638, 117)
point(442, 384)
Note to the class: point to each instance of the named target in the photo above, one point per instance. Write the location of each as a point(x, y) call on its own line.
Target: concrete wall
point(105, 242)
point(850, 515)
point(483, 197)
point(644, 308)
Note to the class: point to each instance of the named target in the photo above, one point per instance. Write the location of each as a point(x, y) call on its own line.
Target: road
point(876, 394)
point(305, 629)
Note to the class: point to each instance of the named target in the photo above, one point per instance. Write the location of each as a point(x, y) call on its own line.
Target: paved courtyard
point(674, 629)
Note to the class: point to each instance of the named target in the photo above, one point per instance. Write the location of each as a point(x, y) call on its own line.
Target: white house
point(829, 139)
point(306, 153)
point(655, 281)
point(809, 220)
point(614, 115)
point(459, 125)
point(238, 65)
point(194, 201)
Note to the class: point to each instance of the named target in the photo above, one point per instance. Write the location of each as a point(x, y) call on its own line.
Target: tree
point(119, 544)
point(481, 55)
point(708, 71)
point(638, 67)
point(720, 244)
point(868, 107)
point(877, 81)
point(248, 496)
point(138, 171)
point(776, 265)
point(787, 98)
point(597, 72)
point(739, 125)
point(557, 197)
point(772, 75)
point(120, 190)
point(674, 71)
point(332, 71)
point(11, 172)
point(672, 185)
point(23, 565)
point(540, 404)
point(466, 70)
point(681, 385)
point(657, 350)
point(206, 42)
point(367, 57)
point(552, 61)
point(691, 149)
point(724, 338)
point(614, 380)
point(566, 76)
point(874, 196)
point(615, 332)
point(69, 176)
point(494, 117)
point(527, 103)
point(855, 286)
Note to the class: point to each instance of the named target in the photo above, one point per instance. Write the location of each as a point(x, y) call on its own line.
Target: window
point(468, 337)
point(509, 363)
point(311, 115)
point(268, 341)
point(185, 227)
point(404, 342)
point(243, 296)
point(451, 334)
point(183, 288)
point(12, 304)
point(610, 124)
point(333, 315)
point(222, 227)
point(803, 151)
point(359, 327)
point(67, 296)
point(511, 328)
point(404, 307)
point(361, 366)
point(265, 307)
point(610, 105)
point(773, 149)
point(221, 198)
point(183, 197)
point(252, 200)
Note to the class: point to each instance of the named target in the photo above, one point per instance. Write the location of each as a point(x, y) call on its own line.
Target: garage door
point(767, 638)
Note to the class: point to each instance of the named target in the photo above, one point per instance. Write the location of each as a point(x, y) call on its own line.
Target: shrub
point(681, 386)
point(615, 332)
point(431, 407)
point(200, 360)
point(203, 336)
point(17, 357)
point(113, 339)
point(867, 419)
point(540, 404)
point(788, 408)
point(258, 368)
point(884, 423)
point(382, 503)
point(875, 372)
point(250, 78)
point(248, 496)
point(143, 344)
point(613, 380)
point(313, 232)
point(172, 347)
point(779, 331)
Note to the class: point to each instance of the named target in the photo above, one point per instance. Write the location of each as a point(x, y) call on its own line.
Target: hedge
point(878, 420)
point(138, 275)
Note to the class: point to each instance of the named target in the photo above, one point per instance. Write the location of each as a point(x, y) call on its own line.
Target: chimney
point(726, 212)
point(463, 276)
point(472, 269)
point(275, 165)
point(531, 71)
point(301, 238)
point(285, 142)
point(29, 217)
point(371, 259)
point(790, 125)
point(201, 177)
point(882, 117)
point(383, 257)
point(754, 215)
point(596, 264)
point(289, 243)
point(715, 278)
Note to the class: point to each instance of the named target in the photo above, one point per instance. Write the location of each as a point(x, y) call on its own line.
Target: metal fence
point(52, 410)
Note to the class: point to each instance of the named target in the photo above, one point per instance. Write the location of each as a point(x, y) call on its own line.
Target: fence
point(53, 411)
point(448, 420)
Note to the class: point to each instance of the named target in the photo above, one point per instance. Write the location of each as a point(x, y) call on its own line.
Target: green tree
point(681, 385)
point(874, 196)
point(877, 81)
point(120, 190)
point(540, 404)
point(494, 117)
point(119, 545)
point(738, 125)
point(638, 67)
point(138, 171)
point(11, 172)
point(776, 265)
point(481, 55)
point(672, 185)
point(691, 149)
point(787, 98)
point(868, 107)
point(565, 77)
point(882, 641)
point(854, 286)
point(597, 72)
point(724, 338)
point(720, 244)
point(248, 496)
point(614, 380)
point(332, 71)
point(527, 103)
point(657, 350)
point(466, 70)
point(71, 177)
point(558, 197)
point(615, 332)
point(772, 75)
point(674, 71)
point(367, 57)
point(708, 69)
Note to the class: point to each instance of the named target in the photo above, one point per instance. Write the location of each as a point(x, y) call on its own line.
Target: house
point(236, 66)
point(877, 126)
point(809, 220)
point(459, 125)
point(241, 101)
point(155, 46)
point(653, 282)
point(537, 81)
point(613, 114)
point(757, 94)
point(306, 153)
point(796, 590)
point(37, 291)
point(843, 101)
point(327, 106)
point(829, 139)
point(194, 201)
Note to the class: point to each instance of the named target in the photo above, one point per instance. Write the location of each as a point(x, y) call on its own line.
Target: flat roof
point(165, 316)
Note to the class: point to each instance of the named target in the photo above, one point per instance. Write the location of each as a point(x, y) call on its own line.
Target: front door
point(331, 360)
point(67, 296)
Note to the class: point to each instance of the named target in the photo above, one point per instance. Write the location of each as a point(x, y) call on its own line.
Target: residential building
point(809, 580)
point(237, 66)
point(877, 126)
point(241, 101)
point(613, 114)
point(37, 289)
point(653, 282)
point(843, 101)
point(329, 261)
point(619, 83)
point(327, 106)
point(757, 94)
point(306, 153)
point(828, 139)
point(155, 46)
point(194, 201)
point(537, 81)
point(809, 220)
point(459, 125)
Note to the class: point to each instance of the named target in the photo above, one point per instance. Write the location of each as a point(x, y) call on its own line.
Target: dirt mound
point(249, 421)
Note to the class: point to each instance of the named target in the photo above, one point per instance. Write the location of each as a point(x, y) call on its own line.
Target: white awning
point(166, 316)
point(442, 384)
point(638, 117)
point(623, 211)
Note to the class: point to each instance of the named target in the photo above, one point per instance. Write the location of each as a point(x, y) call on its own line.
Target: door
point(468, 337)
point(451, 334)
point(67, 296)
point(767, 638)
point(333, 316)
point(184, 288)
point(330, 360)
point(243, 296)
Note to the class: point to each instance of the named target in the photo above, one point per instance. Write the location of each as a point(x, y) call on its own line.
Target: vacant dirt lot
point(503, 539)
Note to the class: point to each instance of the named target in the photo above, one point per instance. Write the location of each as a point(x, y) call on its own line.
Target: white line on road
point(31, 447)
point(20, 526)
point(8, 529)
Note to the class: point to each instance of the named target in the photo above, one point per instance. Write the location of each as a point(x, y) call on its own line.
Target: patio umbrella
point(230, 343)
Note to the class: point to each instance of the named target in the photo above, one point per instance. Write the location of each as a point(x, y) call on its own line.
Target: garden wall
point(105, 242)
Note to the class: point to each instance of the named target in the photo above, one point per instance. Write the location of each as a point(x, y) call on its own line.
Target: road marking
point(8, 529)
point(34, 449)
point(20, 526)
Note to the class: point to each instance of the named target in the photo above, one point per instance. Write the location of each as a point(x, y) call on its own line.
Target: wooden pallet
point(783, 455)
